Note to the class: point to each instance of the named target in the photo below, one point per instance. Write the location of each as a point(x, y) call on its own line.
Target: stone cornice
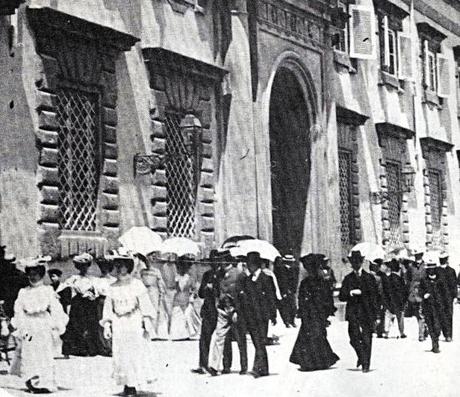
point(424, 8)
point(429, 144)
point(8, 7)
point(351, 117)
point(161, 60)
point(46, 21)
point(392, 130)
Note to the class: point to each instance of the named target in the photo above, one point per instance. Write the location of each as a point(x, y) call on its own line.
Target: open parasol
point(142, 240)
point(180, 246)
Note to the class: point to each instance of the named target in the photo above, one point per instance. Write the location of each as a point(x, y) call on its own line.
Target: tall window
point(180, 176)
point(78, 157)
point(388, 29)
point(342, 39)
point(435, 178)
point(393, 174)
point(347, 218)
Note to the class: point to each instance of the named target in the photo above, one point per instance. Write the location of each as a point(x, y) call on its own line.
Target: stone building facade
point(295, 121)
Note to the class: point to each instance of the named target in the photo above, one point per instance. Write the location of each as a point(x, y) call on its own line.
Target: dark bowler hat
point(311, 259)
point(253, 257)
point(356, 255)
point(222, 255)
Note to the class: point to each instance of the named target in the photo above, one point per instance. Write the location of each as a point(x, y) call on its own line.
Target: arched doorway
point(289, 125)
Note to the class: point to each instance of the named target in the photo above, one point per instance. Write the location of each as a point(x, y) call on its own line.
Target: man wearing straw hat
point(359, 290)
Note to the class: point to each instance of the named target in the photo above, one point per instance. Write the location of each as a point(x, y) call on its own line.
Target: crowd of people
point(133, 301)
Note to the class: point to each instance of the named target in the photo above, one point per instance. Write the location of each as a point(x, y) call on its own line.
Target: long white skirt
point(185, 323)
point(132, 361)
point(34, 355)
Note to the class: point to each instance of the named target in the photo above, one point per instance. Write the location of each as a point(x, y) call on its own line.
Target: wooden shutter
point(405, 56)
point(386, 42)
point(443, 75)
point(426, 63)
point(362, 32)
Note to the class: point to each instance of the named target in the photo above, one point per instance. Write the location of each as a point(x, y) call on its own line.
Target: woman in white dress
point(127, 319)
point(184, 324)
point(152, 279)
point(38, 321)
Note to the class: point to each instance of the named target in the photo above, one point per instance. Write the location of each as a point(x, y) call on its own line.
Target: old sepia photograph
point(230, 198)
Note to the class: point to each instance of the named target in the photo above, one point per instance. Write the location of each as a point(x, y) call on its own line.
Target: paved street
point(399, 367)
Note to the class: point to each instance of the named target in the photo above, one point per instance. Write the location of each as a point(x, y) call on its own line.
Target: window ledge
point(343, 59)
point(389, 80)
point(74, 243)
point(432, 98)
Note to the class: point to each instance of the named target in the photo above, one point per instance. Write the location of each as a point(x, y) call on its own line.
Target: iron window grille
point(436, 199)
point(181, 181)
point(347, 218)
point(78, 158)
point(394, 183)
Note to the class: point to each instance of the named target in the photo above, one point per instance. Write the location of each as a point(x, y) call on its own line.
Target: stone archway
point(290, 119)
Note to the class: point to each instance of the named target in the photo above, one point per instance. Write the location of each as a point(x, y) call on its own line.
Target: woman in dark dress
point(81, 336)
point(312, 350)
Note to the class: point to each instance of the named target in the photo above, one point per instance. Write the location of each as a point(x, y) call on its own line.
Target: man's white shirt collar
point(255, 276)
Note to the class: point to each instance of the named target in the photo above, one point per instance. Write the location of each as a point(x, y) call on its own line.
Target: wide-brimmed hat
point(83, 259)
point(443, 255)
point(288, 258)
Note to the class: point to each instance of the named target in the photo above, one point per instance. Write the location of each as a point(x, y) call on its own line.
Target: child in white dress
point(127, 318)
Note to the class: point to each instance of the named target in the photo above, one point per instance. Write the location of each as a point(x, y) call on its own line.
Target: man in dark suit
point(395, 292)
point(359, 290)
point(257, 301)
point(209, 291)
point(449, 278)
point(285, 272)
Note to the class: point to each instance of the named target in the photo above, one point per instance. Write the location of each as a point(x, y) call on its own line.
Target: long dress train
point(312, 350)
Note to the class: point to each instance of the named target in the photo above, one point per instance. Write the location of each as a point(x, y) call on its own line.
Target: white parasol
point(180, 246)
point(263, 247)
point(141, 240)
point(370, 251)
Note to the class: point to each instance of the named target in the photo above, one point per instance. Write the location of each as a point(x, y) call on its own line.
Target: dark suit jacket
point(286, 278)
point(257, 300)
point(361, 308)
point(450, 279)
point(395, 292)
point(209, 295)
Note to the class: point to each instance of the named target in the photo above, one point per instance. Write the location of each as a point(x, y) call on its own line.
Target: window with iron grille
point(393, 174)
point(78, 158)
point(435, 177)
point(347, 222)
point(181, 185)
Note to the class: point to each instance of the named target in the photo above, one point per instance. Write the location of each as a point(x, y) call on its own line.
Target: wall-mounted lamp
point(191, 131)
point(408, 178)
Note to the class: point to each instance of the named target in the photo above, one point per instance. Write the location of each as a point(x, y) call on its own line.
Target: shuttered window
point(362, 32)
point(443, 75)
point(405, 54)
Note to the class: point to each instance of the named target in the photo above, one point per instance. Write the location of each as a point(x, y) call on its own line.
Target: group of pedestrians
point(124, 308)
point(414, 287)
